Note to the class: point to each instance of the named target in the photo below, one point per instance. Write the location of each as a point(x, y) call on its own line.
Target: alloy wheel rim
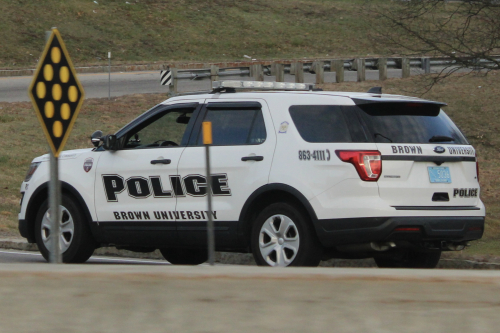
point(67, 227)
point(279, 241)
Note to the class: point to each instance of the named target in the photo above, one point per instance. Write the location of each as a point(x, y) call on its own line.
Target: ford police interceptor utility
point(297, 177)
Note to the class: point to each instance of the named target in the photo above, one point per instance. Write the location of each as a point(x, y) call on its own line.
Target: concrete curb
point(247, 258)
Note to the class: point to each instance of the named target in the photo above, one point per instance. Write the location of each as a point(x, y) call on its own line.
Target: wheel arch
point(40, 195)
point(266, 195)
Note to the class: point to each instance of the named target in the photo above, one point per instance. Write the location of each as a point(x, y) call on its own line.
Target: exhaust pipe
point(454, 246)
point(367, 247)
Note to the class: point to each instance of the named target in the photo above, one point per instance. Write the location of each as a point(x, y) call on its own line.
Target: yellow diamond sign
point(56, 93)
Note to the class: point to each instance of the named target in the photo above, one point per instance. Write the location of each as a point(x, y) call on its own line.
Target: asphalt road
point(14, 89)
point(23, 257)
point(115, 298)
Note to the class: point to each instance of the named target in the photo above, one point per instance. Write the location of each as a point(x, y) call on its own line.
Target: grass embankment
point(138, 31)
point(473, 104)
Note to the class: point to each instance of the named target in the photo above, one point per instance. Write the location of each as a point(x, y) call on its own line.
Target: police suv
point(298, 176)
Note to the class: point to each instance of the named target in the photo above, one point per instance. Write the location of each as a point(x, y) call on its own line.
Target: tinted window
point(410, 123)
point(320, 123)
point(163, 130)
point(236, 127)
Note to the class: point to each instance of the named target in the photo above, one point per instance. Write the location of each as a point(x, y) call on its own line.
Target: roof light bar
point(261, 85)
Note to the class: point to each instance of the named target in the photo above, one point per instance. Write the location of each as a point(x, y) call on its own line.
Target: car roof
point(366, 97)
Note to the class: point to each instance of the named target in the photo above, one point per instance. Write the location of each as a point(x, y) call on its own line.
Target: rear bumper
point(333, 232)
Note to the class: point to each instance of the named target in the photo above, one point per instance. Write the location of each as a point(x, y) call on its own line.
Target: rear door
point(427, 162)
point(241, 158)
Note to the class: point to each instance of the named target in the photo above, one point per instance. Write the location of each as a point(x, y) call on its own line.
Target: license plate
point(439, 174)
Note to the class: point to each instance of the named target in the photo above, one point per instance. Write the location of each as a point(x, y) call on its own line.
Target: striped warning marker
point(165, 78)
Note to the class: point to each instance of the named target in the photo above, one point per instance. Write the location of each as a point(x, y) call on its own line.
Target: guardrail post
point(320, 71)
point(426, 65)
point(292, 68)
point(280, 72)
point(299, 72)
point(338, 65)
point(382, 69)
point(405, 66)
point(273, 69)
point(360, 66)
point(172, 89)
point(214, 73)
point(257, 72)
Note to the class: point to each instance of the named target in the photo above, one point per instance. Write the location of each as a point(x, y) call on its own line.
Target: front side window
point(236, 127)
point(163, 130)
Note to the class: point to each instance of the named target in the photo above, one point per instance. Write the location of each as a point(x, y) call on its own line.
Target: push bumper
point(333, 232)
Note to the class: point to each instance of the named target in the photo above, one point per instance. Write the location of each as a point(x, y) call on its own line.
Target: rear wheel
point(410, 259)
point(282, 236)
point(185, 256)
point(76, 241)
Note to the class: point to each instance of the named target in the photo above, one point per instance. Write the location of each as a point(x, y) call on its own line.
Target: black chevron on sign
point(165, 78)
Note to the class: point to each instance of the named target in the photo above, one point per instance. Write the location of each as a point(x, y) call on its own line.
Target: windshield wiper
point(441, 138)
point(378, 134)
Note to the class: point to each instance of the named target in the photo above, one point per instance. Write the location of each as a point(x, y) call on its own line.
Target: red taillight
point(407, 229)
point(368, 163)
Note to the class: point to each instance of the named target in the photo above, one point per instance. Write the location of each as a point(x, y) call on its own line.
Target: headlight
point(31, 171)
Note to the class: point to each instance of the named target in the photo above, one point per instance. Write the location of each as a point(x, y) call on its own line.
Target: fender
point(274, 187)
point(31, 213)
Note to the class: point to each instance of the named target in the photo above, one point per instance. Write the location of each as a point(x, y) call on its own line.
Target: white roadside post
point(109, 75)
point(207, 141)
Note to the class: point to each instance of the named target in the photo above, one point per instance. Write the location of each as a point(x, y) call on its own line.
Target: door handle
point(252, 158)
point(161, 161)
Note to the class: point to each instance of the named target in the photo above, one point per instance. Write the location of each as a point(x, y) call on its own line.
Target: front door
point(137, 185)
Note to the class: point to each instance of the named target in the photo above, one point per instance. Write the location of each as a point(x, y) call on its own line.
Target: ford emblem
point(439, 150)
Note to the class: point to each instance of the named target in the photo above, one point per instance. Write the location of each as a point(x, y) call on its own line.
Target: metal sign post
point(54, 200)
point(207, 141)
point(57, 96)
point(55, 256)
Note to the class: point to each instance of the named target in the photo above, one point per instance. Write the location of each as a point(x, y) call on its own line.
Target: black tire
point(285, 250)
point(185, 256)
point(410, 259)
point(81, 245)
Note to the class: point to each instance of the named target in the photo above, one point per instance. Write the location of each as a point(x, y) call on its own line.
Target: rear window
point(320, 123)
point(410, 123)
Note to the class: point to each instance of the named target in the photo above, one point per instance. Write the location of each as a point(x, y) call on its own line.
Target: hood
point(65, 155)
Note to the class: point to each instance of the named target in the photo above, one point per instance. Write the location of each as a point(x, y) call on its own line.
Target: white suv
point(297, 177)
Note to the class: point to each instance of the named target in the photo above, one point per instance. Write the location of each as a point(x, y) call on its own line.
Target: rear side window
point(410, 123)
point(236, 127)
point(320, 123)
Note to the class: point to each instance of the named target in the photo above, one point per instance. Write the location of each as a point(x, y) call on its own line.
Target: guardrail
point(257, 70)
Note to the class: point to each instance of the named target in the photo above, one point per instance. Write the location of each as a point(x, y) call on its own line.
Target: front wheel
point(410, 259)
point(75, 241)
point(282, 236)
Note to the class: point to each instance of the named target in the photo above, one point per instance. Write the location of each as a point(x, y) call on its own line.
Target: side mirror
point(95, 138)
point(110, 142)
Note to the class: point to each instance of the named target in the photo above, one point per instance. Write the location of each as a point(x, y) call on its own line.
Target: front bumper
point(333, 232)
